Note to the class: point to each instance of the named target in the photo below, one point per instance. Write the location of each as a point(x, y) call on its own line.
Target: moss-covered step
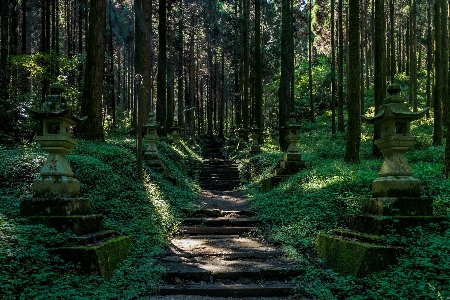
point(351, 256)
point(98, 259)
point(268, 183)
point(55, 206)
point(405, 206)
point(79, 225)
point(382, 225)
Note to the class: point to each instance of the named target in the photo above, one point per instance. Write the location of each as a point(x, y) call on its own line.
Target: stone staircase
point(220, 251)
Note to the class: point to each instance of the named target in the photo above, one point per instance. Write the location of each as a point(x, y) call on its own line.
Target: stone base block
point(98, 259)
point(382, 225)
point(349, 256)
point(396, 186)
point(152, 156)
point(271, 182)
point(292, 157)
point(56, 186)
point(79, 225)
point(398, 206)
point(55, 206)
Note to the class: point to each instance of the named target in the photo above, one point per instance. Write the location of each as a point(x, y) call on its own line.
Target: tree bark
point(333, 70)
point(310, 58)
point(340, 69)
point(161, 79)
point(353, 101)
point(92, 93)
point(437, 94)
point(258, 71)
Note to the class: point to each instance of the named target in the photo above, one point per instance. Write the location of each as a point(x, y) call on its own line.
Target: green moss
point(101, 260)
point(349, 257)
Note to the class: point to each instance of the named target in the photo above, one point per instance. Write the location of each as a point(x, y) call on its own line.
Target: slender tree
point(333, 69)
point(284, 89)
point(341, 126)
point(92, 93)
point(258, 71)
point(353, 101)
point(437, 89)
point(379, 66)
point(161, 79)
point(310, 58)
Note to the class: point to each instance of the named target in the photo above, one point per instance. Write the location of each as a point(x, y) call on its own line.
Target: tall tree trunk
point(91, 105)
point(258, 71)
point(170, 93)
point(246, 70)
point(161, 79)
point(413, 54)
point(284, 89)
point(180, 67)
point(353, 101)
point(429, 57)
point(392, 67)
point(340, 69)
point(445, 61)
point(333, 70)
point(190, 109)
point(437, 93)
point(310, 58)
point(379, 60)
point(222, 98)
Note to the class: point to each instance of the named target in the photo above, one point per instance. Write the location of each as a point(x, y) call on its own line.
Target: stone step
point(276, 289)
point(217, 230)
point(223, 246)
point(220, 222)
point(210, 269)
point(214, 212)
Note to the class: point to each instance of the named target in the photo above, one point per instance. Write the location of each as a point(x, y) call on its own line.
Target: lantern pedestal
point(56, 200)
point(396, 204)
point(151, 155)
point(254, 148)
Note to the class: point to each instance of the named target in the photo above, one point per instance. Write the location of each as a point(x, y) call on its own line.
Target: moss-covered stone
point(55, 206)
point(78, 225)
point(398, 206)
point(382, 225)
point(102, 259)
point(350, 257)
point(359, 236)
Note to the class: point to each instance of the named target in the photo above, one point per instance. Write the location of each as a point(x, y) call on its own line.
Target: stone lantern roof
point(56, 106)
point(395, 108)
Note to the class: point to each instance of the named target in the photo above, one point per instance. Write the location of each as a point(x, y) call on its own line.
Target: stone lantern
point(396, 202)
point(56, 177)
point(255, 148)
point(176, 133)
point(292, 161)
point(241, 134)
point(151, 154)
point(56, 200)
point(394, 118)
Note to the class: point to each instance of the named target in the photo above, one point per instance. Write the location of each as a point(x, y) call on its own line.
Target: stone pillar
point(151, 154)
point(254, 148)
point(176, 134)
point(56, 200)
point(396, 204)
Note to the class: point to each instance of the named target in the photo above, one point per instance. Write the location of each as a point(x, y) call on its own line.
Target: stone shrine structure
point(292, 160)
point(254, 148)
point(151, 154)
point(396, 202)
point(56, 200)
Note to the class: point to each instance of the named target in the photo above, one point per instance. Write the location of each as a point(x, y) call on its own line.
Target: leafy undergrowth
point(148, 212)
point(323, 195)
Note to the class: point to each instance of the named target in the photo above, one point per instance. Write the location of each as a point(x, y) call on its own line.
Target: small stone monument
point(242, 137)
point(151, 154)
point(292, 161)
point(396, 204)
point(176, 133)
point(254, 148)
point(56, 200)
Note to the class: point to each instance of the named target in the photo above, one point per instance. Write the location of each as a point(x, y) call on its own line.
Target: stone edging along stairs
point(219, 253)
